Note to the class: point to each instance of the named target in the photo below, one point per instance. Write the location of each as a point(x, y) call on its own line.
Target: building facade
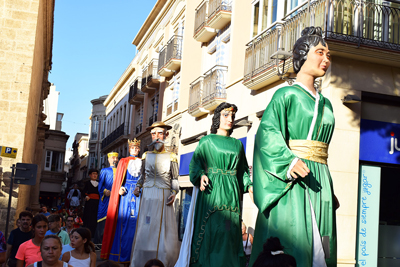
point(79, 160)
point(97, 129)
point(26, 32)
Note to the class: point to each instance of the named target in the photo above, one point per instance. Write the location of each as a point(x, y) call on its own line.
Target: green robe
point(217, 235)
point(284, 207)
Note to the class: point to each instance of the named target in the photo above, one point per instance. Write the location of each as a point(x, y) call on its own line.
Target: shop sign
point(380, 141)
point(368, 216)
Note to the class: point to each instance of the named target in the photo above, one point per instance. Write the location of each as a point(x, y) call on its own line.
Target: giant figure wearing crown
point(123, 208)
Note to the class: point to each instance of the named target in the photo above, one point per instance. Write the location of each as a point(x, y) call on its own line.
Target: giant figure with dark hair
point(292, 185)
point(219, 167)
point(92, 198)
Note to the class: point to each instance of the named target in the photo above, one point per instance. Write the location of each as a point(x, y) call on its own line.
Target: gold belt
point(309, 149)
point(216, 170)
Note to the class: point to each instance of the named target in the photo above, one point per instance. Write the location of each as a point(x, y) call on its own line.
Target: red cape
point(113, 205)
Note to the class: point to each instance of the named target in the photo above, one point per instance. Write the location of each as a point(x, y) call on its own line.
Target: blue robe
point(105, 182)
point(126, 221)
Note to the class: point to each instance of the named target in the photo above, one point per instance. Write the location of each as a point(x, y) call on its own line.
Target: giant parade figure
point(292, 185)
point(123, 209)
point(157, 232)
point(105, 185)
point(219, 167)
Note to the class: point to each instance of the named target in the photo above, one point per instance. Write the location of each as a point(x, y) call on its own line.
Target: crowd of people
point(129, 207)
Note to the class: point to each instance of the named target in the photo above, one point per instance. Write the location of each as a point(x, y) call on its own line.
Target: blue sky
point(92, 47)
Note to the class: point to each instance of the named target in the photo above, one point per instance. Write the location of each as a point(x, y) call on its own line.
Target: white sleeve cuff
point(290, 169)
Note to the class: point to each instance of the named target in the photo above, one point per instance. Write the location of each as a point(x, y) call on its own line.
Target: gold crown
point(230, 109)
point(112, 154)
point(134, 142)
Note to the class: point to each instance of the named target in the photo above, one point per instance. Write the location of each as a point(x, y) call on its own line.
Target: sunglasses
point(70, 220)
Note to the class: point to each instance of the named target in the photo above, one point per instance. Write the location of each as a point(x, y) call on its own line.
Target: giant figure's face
point(158, 135)
point(318, 61)
point(113, 160)
point(226, 120)
point(134, 150)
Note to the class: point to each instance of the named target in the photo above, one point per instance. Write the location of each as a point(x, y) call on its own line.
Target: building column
point(35, 190)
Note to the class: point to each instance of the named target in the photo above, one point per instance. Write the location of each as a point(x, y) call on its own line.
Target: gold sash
point(309, 149)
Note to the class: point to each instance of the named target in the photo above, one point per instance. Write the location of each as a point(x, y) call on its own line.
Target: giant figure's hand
point(107, 193)
point(136, 192)
point(203, 182)
point(171, 199)
point(301, 169)
point(122, 191)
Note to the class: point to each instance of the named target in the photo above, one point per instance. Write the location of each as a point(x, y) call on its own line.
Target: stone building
point(26, 34)
point(97, 132)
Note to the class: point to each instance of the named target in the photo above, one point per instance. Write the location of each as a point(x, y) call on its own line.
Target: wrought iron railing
point(138, 128)
point(353, 21)
point(214, 83)
point(195, 94)
point(200, 17)
point(172, 50)
point(214, 6)
point(120, 131)
point(134, 90)
point(150, 72)
point(162, 58)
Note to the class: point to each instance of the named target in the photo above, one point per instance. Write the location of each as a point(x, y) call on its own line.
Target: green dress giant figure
point(292, 185)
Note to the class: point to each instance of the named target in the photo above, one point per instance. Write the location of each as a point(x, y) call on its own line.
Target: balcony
point(138, 128)
point(170, 57)
point(195, 107)
point(118, 136)
point(203, 32)
point(214, 92)
point(348, 26)
point(150, 77)
point(136, 96)
point(208, 91)
point(220, 12)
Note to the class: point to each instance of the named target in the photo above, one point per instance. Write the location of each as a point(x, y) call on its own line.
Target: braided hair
point(310, 37)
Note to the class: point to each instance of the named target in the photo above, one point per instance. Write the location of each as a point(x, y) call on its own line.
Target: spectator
point(77, 220)
point(154, 263)
point(50, 249)
point(18, 236)
point(55, 229)
point(3, 249)
point(83, 254)
point(247, 243)
point(29, 251)
point(66, 248)
point(273, 255)
point(63, 213)
point(53, 210)
point(17, 223)
point(44, 211)
point(74, 196)
point(69, 224)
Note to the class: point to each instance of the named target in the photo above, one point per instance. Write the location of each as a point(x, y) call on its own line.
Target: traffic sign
point(9, 152)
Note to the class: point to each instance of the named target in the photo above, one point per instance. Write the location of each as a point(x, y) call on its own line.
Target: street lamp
point(281, 55)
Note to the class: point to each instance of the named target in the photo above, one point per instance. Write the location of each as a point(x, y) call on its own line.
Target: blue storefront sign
point(368, 216)
point(379, 141)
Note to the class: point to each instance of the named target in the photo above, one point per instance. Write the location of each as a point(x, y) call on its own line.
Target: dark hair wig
point(154, 262)
point(85, 234)
point(25, 214)
point(310, 37)
point(217, 116)
point(108, 263)
point(266, 259)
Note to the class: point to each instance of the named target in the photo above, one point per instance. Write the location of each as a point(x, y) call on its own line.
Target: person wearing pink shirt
point(29, 251)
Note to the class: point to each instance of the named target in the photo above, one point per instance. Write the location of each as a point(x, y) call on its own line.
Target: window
point(265, 12)
point(54, 161)
point(184, 205)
